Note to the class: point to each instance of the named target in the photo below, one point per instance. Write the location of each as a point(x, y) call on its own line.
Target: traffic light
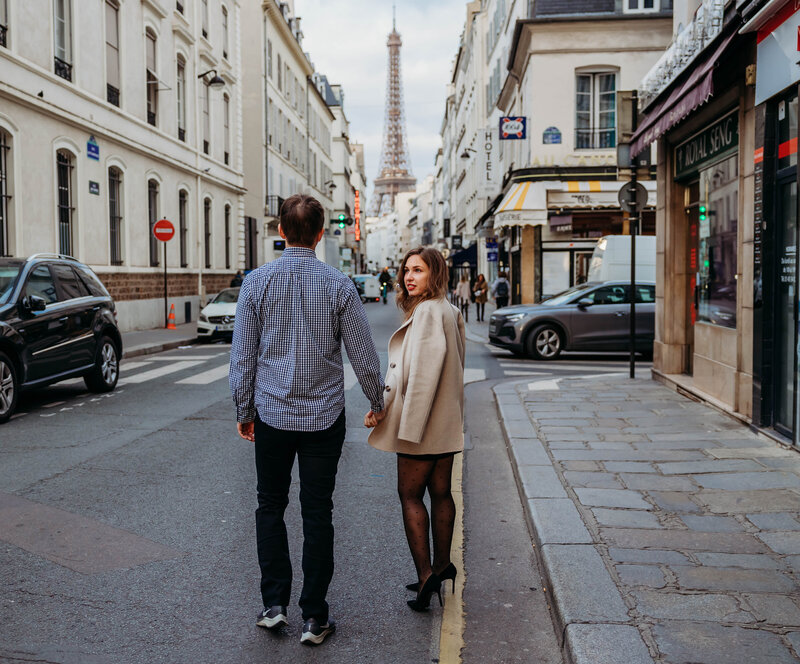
point(342, 220)
point(703, 213)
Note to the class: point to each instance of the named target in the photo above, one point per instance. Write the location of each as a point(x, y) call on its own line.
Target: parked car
point(370, 290)
point(589, 317)
point(217, 317)
point(57, 321)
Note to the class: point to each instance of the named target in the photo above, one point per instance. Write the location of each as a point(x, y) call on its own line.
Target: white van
point(611, 259)
point(371, 287)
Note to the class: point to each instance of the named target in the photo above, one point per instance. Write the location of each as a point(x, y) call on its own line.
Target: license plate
point(223, 328)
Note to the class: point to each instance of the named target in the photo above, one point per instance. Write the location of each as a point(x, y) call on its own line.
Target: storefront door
point(693, 293)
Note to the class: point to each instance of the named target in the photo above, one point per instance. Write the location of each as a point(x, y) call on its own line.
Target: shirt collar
point(297, 252)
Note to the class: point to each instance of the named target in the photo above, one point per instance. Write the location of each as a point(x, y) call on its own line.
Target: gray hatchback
point(588, 317)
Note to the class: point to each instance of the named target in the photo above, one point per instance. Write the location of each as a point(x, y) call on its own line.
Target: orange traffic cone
point(171, 318)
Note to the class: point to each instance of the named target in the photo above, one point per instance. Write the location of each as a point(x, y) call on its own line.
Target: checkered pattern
point(286, 358)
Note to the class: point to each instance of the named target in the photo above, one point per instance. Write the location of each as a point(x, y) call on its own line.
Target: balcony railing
point(227, 158)
point(63, 69)
point(3, 35)
point(112, 95)
point(273, 207)
point(595, 139)
point(205, 147)
point(181, 134)
point(151, 118)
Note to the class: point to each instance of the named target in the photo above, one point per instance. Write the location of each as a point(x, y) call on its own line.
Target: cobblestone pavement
point(668, 532)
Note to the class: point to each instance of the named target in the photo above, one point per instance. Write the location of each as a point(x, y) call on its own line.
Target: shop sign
point(456, 240)
point(491, 243)
point(777, 52)
point(551, 136)
point(488, 163)
point(512, 129)
point(707, 145)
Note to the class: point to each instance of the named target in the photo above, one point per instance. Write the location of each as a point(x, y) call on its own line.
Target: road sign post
point(164, 231)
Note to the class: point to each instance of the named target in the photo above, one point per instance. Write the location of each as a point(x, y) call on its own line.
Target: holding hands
point(372, 418)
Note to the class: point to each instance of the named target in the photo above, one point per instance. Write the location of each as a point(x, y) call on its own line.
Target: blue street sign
point(491, 256)
point(551, 136)
point(92, 149)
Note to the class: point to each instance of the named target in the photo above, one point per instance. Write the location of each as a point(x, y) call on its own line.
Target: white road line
point(206, 377)
point(183, 358)
point(510, 372)
point(130, 366)
point(160, 371)
point(544, 385)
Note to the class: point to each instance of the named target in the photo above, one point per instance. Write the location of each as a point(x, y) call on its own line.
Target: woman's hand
point(372, 418)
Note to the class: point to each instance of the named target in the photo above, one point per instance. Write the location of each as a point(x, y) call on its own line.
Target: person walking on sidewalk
point(500, 290)
point(481, 290)
point(287, 382)
point(424, 423)
point(463, 295)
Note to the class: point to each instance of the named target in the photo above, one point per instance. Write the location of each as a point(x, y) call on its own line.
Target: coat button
point(388, 389)
point(392, 365)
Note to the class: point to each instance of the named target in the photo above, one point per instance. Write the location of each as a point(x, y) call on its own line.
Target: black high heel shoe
point(449, 573)
point(433, 584)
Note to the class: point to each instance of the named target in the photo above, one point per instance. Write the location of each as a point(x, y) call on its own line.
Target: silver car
point(588, 317)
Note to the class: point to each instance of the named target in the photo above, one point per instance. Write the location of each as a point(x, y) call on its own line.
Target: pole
point(166, 313)
point(633, 221)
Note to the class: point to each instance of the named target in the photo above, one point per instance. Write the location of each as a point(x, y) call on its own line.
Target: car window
point(92, 282)
point(8, 278)
point(611, 294)
point(71, 286)
point(645, 293)
point(40, 283)
point(564, 296)
point(228, 296)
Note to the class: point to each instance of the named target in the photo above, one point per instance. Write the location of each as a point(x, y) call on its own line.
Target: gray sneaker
point(273, 617)
point(314, 633)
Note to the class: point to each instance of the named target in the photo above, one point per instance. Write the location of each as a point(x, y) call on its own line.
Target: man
point(287, 382)
point(237, 279)
point(500, 290)
point(385, 280)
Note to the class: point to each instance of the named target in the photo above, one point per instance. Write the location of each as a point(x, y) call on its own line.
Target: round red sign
point(163, 230)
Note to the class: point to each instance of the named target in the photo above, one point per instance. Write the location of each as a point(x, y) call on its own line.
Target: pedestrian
point(424, 423)
point(481, 290)
point(463, 295)
point(385, 280)
point(287, 381)
point(237, 279)
point(500, 290)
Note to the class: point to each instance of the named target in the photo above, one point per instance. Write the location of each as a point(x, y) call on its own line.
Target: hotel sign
point(706, 146)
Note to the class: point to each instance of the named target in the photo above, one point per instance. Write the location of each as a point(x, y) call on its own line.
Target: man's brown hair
point(437, 279)
point(302, 218)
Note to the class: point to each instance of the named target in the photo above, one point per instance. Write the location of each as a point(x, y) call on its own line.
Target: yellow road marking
point(451, 639)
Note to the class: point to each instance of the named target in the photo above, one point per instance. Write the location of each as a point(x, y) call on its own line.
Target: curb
point(152, 349)
point(589, 615)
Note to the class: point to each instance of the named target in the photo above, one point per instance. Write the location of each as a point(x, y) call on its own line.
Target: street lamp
point(216, 81)
point(465, 154)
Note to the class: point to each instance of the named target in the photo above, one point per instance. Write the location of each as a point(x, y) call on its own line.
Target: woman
point(424, 416)
point(463, 293)
point(481, 290)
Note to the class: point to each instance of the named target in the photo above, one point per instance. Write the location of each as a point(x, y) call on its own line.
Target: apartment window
point(181, 98)
point(152, 79)
point(115, 214)
point(62, 32)
point(269, 58)
point(226, 110)
point(640, 6)
point(182, 225)
point(205, 18)
point(5, 196)
point(65, 165)
point(280, 78)
point(225, 33)
point(3, 25)
point(112, 52)
point(207, 230)
point(152, 214)
point(227, 237)
point(595, 110)
point(206, 118)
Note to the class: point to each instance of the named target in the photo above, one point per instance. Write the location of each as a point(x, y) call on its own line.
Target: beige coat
point(425, 384)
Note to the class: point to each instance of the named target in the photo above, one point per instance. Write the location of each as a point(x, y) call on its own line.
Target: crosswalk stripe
point(183, 358)
point(160, 371)
point(206, 377)
point(510, 372)
point(131, 366)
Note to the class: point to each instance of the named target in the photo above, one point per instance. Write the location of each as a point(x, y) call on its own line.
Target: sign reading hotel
point(512, 129)
point(707, 145)
point(488, 163)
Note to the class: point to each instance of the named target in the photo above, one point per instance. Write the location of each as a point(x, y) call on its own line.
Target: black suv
point(57, 321)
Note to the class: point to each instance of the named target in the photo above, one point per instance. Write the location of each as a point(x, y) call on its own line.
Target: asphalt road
point(127, 529)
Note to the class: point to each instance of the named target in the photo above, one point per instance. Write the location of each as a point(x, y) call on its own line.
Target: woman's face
point(416, 276)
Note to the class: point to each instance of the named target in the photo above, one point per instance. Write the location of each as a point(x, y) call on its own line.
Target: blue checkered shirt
point(286, 357)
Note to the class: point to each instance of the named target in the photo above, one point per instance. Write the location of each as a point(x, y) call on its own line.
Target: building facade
point(114, 115)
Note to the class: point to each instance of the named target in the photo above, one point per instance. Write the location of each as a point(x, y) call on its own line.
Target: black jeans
point(479, 307)
point(318, 455)
point(501, 301)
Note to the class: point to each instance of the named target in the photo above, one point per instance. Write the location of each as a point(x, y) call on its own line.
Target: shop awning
point(593, 194)
point(525, 204)
point(682, 100)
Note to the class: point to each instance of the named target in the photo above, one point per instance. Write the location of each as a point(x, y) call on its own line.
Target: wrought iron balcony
point(227, 158)
point(596, 139)
point(151, 118)
point(112, 95)
point(181, 134)
point(3, 35)
point(273, 207)
point(63, 69)
point(206, 147)
point(704, 27)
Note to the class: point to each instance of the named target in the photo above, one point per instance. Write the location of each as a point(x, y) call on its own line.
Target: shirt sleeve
point(244, 355)
point(360, 347)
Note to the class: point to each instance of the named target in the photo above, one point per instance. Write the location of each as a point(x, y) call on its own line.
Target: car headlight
point(513, 318)
point(203, 318)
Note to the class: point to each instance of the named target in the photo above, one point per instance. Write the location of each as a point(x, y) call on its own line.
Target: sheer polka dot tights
point(414, 476)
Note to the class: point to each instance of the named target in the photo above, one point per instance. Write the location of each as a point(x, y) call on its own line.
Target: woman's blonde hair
point(437, 279)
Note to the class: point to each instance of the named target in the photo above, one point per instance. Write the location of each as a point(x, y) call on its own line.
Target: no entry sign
point(163, 230)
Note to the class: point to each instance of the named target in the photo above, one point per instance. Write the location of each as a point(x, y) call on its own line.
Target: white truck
point(611, 259)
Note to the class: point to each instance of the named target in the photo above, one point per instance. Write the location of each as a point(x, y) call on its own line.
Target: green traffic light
point(342, 217)
point(341, 223)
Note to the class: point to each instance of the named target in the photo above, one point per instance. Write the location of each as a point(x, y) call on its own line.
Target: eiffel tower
point(394, 172)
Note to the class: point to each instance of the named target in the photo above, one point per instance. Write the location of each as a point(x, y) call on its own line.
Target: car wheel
point(545, 343)
point(105, 373)
point(9, 388)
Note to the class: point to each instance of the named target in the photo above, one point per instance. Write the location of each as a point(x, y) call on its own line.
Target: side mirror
point(34, 303)
point(585, 302)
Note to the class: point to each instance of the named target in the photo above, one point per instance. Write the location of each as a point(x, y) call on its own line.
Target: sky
point(347, 43)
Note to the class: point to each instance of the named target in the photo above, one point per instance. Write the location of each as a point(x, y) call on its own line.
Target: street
point(138, 540)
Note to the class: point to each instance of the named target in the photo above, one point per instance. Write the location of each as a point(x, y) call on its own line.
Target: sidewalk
point(666, 531)
point(147, 342)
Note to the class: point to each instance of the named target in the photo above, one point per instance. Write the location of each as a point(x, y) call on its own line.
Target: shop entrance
point(692, 194)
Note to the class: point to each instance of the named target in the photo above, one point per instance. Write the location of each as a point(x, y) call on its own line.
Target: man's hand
point(246, 430)
point(372, 418)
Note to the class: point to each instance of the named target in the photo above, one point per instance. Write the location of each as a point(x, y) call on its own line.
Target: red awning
point(683, 99)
